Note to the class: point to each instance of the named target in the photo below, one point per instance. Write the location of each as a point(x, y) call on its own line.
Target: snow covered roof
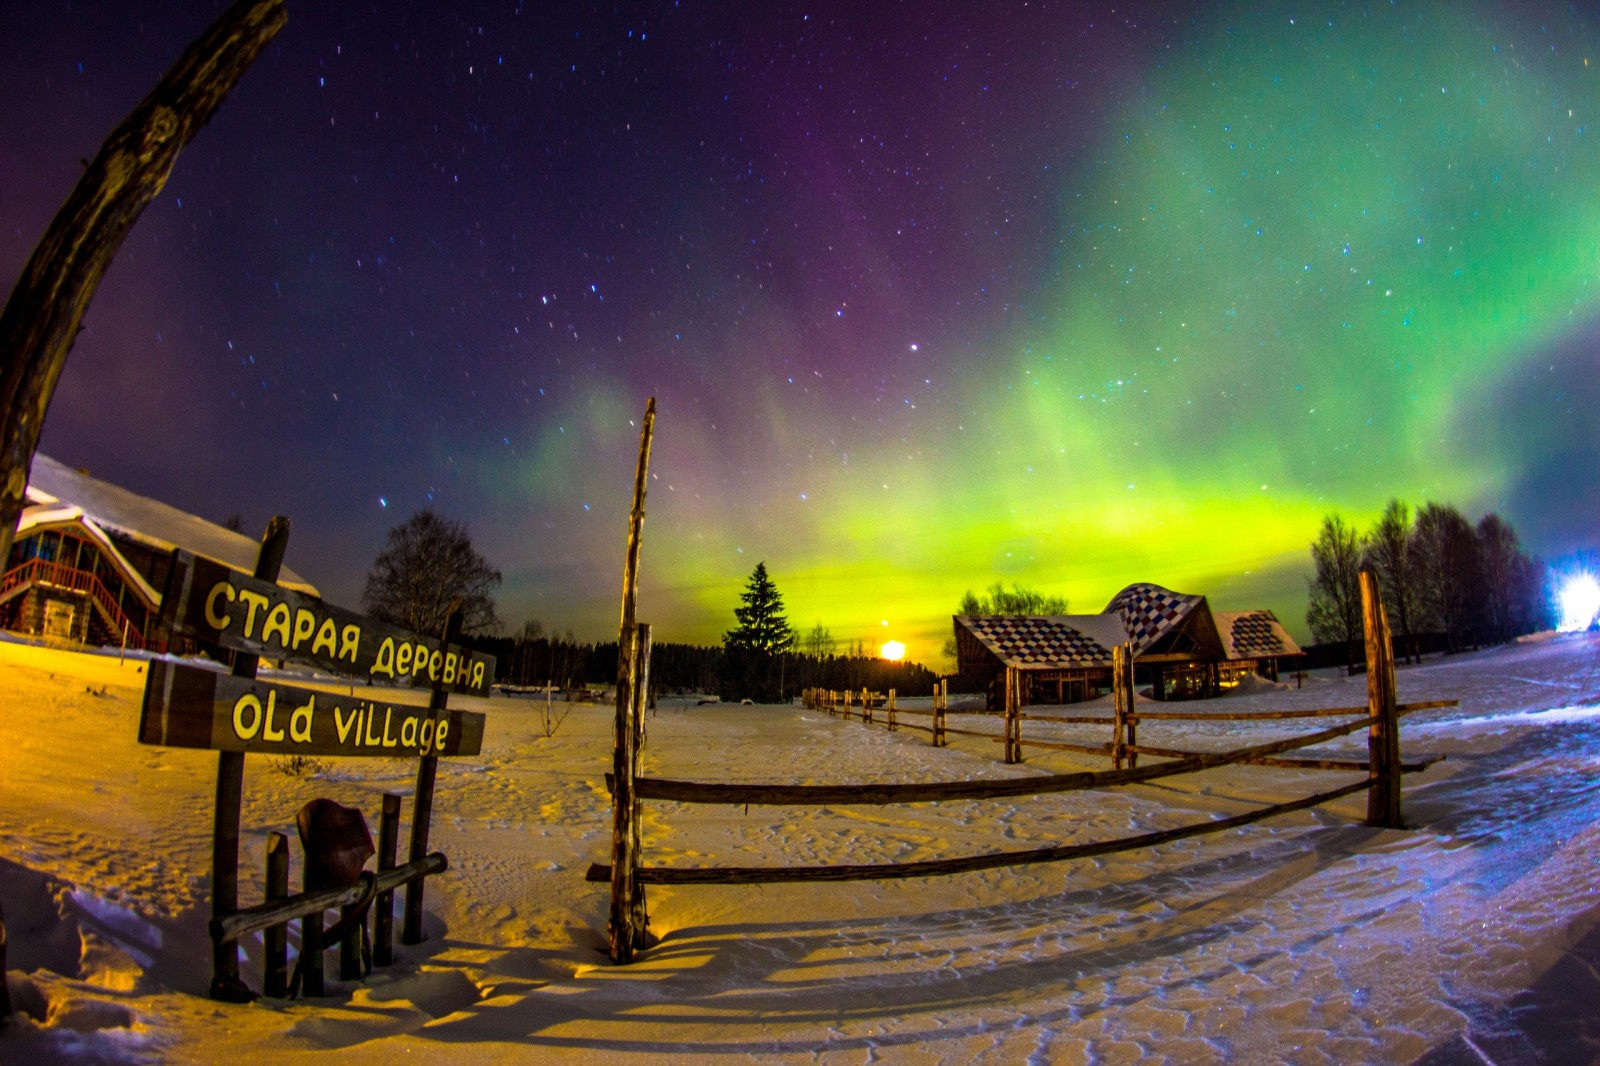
point(1253, 635)
point(1149, 612)
point(45, 515)
point(1059, 642)
point(53, 486)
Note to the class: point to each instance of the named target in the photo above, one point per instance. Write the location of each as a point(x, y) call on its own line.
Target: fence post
point(866, 707)
point(638, 916)
point(1013, 744)
point(939, 694)
point(890, 709)
point(1130, 722)
point(1383, 735)
point(383, 905)
point(310, 963)
point(225, 983)
point(422, 802)
point(1119, 713)
point(275, 940)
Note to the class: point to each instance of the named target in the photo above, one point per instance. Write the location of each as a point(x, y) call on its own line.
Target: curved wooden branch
point(43, 314)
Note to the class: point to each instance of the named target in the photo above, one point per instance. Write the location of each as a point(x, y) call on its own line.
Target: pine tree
point(754, 651)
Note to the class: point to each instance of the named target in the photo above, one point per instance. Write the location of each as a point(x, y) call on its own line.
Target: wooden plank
point(275, 939)
point(383, 902)
point(187, 707)
point(264, 916)
point(219, 605)
point(1273, 716)
point(1067, 719)
point(753, 875)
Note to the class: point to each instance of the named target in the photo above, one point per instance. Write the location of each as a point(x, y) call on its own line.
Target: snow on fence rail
point(1381, 783)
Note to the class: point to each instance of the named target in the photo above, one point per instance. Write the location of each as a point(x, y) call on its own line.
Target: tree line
point(1440, 576)
point(428, 565)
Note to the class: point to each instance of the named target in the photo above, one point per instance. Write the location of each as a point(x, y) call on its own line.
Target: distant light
point(893, 650)
point(382, 502)
point(1579, 601)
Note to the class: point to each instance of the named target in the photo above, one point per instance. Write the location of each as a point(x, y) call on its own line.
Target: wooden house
point(1181, 648)
point(90, 559)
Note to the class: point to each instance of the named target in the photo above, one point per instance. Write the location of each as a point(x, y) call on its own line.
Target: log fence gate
point(1381, 781)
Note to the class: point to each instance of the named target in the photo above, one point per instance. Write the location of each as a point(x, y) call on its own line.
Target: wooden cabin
point(1182, 649)
point(90, 559)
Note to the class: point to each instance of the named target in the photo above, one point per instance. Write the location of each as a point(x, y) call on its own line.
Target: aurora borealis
point(930, 295)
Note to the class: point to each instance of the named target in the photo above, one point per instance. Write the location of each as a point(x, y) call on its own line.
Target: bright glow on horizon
point(894, 651)
point(1578, 601)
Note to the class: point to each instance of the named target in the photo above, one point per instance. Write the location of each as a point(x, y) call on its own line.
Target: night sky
point(930, 295)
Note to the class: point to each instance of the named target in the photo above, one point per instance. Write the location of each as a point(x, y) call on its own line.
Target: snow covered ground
point(1308, 938)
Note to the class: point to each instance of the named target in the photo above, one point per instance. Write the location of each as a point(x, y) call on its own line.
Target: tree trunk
point(42, 316)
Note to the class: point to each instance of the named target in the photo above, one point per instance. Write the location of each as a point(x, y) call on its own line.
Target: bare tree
point(427, 564)
point(1334, 611)
point(1450, 576)
point(819, 642)
point(1390, 554)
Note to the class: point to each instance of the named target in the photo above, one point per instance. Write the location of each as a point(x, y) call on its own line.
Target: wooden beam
point(276, 912)
point(753, 875)
point(43, 315)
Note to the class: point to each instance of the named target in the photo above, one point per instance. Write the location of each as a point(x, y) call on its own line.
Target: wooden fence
point(1380, 780)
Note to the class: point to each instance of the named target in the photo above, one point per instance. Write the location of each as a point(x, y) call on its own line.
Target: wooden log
point(1055, 745)
point(383, 902)
point(626, 899)
point(638, 914)
point(751, 875)
point(1383, 737)
point(311, 946)
point(1013, 707)
point(1130, 702)
point(45, 311)
point(1119, 712)
point(1345, 765)
point(1101, 720)
point(226, 985)
point(263, 916)
point(275, 939)
point(889, 709)
point(422, 800)
point(1274, 716)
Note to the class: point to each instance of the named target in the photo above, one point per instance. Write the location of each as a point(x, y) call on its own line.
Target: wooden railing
point(39, 572)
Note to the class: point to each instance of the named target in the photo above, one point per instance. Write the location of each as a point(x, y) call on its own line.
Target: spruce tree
point(754, 650)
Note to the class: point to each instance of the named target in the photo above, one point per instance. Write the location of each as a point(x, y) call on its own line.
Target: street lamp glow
point(893, 650)
point(1579, 601)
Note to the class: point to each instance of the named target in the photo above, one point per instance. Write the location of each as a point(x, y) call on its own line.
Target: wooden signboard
point(186, 707)
point(213, 603)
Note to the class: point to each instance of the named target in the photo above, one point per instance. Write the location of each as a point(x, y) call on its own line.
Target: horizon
point(1071, 299)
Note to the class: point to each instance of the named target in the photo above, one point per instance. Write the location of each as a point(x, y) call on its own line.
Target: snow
point(1473, 935)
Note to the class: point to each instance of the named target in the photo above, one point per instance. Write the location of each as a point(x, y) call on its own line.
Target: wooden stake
point(226, 984)
point(46, 308)
point(1131, 721)
point(311, 946)
point(5, 993)
point(638, 914)
point(1013, 725)
point(383, 903)
point(1383, 737)
point(275, 941)
point(1119, 712)
point(422, 802)
point(625, 898)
